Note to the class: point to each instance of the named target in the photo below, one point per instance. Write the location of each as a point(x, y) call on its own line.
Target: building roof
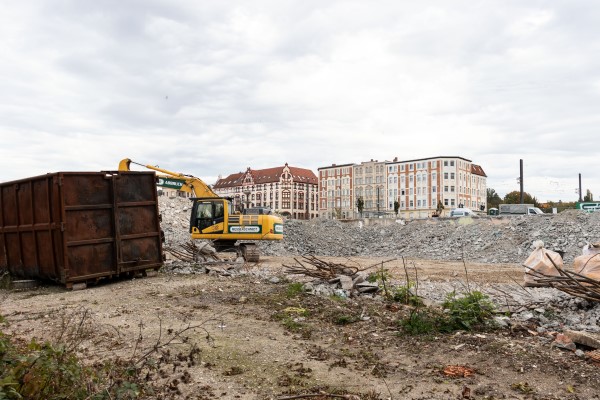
point(477, 170)
point(336, 166)
point(396, 161)
point(268, 175)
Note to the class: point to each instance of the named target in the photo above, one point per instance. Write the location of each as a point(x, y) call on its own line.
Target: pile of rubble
point(485, 239)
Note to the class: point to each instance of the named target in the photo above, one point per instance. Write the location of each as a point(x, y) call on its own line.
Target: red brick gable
point(268, 175)
point(477, 170)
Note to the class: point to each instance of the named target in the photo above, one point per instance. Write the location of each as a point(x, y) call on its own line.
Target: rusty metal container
point(79, 227)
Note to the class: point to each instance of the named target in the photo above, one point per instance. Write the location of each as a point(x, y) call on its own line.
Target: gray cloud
point(211, 88)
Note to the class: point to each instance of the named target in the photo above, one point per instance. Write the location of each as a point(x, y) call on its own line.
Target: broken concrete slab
point(585, 338)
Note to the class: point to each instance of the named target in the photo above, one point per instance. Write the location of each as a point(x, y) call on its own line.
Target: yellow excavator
point(214, 217)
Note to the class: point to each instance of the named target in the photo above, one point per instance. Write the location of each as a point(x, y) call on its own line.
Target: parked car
point(462, 212)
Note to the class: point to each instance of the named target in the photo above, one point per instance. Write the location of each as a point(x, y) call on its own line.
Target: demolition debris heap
point(483, 239)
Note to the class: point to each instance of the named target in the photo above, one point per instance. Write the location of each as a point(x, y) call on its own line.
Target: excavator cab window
point(207, 213)
point(219, 212)
point(204, 215)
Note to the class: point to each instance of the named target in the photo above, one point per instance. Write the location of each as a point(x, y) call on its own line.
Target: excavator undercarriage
point(249, 251)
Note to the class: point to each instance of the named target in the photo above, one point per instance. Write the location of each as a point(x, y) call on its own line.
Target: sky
point(210, 88)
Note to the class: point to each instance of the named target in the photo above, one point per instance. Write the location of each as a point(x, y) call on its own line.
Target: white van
point(462, 212)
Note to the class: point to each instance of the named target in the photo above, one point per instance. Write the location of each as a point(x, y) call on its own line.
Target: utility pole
point(580, 199)
point(521, 180)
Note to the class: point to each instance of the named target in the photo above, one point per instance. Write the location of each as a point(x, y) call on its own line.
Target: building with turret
point(289, 191)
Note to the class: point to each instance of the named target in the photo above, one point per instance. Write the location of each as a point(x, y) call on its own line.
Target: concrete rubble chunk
point(585, 338)
point(564, 342)
point(346, 282)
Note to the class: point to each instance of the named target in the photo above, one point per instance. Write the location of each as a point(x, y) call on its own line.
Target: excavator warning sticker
point(245, 229)
point(278, 228)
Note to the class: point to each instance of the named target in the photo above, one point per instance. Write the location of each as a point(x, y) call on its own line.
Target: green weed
point(294, 289)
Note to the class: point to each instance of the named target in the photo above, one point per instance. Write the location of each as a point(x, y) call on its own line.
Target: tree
point(338, 212)
point(588, 196)
point(360, 205)
point(396, 207)
point(492, 198)
point(515, 196)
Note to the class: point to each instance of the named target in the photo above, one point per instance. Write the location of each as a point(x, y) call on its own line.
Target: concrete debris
point(564, 342)
point(584, 338)
point(487, 240)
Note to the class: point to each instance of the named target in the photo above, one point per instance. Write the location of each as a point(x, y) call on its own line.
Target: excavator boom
point(193, 185)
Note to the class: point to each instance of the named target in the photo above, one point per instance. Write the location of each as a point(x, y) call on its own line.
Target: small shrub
point(378, 276)
point(294, 289)
point(470, 311)
point(404, 295)
point(420, 321)
point(344, 319)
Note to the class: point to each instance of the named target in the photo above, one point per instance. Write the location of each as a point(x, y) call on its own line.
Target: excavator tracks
point(250, 252)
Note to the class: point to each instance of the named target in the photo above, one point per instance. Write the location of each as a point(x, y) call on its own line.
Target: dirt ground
point(257, 339)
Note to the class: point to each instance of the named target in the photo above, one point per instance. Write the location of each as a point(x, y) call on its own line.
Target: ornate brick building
point(290, 191)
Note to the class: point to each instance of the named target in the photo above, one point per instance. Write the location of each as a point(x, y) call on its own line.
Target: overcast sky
point(212, 87)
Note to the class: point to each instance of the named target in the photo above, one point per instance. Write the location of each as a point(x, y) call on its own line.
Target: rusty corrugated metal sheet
point(80, 226)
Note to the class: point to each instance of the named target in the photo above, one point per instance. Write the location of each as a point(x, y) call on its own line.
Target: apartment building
point(336, 191)
point(290, 191)
point(423, 183)
point(415, 186)
point(370, 185)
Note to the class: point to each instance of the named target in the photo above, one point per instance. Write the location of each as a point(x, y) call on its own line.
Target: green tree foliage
point(514, 197)
point(396, 207)
point(493, 199)
point(360, 205)
point(588, 196)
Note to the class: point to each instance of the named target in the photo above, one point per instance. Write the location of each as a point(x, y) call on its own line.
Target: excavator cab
point(209, 212)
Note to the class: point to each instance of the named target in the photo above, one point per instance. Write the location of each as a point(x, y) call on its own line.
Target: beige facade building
point(290, 191)
point(370, 185)
point(415, 186)
point(336, 191)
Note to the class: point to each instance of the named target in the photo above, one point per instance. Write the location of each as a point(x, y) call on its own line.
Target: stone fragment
point(563, 342)
point(585, 338)
point(346, 282)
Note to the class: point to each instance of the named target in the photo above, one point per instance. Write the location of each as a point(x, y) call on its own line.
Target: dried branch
point(325, 270)
point(569, 282)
